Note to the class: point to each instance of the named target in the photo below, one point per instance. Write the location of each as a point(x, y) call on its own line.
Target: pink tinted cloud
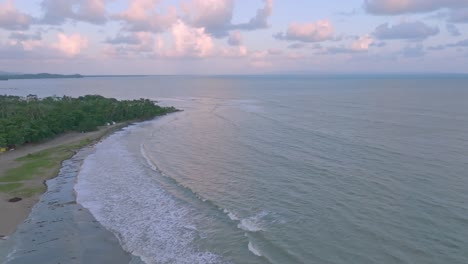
point(362, 43)
point(190, 41)
point(71, 45)
point(213, 15)
point(233, 52)
point(143, 15)
point(32, 48)
point(13, 19)
point(308, 32)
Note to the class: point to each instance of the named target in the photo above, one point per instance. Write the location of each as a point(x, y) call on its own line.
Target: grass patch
point(10, 187)
point(42, 165)
point(28, 170)
point(28, 192)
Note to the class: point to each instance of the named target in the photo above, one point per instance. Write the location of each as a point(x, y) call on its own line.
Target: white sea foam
point(254, 223)
point(231, 215)
point(148, 160)
point(127, 200)
point(254, 250)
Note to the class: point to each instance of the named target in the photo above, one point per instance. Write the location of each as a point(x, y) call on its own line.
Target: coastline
point(32, 187)
point(59, 230)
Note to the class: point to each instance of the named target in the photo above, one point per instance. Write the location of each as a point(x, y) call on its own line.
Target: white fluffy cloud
point(308, 32)
point(190, 41)
point(12, 19)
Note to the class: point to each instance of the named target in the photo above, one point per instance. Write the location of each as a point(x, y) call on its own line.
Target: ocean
point(281, 169)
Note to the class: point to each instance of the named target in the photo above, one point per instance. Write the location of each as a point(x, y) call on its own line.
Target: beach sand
point(14, 213)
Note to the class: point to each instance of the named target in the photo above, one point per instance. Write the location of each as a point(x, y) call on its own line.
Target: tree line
point(31, 119)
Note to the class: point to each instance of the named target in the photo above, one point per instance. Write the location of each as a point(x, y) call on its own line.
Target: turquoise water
point(282, 169)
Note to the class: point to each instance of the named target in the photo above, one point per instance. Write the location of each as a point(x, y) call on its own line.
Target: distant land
point(340, 75)
point(4, 76)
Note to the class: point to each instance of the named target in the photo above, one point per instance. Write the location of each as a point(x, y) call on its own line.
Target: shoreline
point(15, 183)
point(59, 230)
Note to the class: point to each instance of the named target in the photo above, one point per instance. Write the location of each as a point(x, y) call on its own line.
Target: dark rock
point(15, 199)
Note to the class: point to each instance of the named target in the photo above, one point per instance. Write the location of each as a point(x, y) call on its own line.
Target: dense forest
point(31, 119)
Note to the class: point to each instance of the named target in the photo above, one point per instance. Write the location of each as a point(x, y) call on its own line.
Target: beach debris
point(15, 199)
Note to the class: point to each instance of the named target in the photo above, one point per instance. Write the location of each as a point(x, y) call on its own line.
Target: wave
point(128, 201)
point(156, 168)
point(254, 250)
point(254, 223)
point(231, 215)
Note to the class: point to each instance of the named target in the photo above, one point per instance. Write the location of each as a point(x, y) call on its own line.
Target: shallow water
point(282, 169)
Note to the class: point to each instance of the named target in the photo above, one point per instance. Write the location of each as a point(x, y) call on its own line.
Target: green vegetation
point(10, 187)
point(39, 76)
point(43, 165)
point(30, 119)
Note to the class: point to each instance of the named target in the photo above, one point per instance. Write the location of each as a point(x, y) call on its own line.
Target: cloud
point(57, 12)
point(130, 39)
point(135, 44)
point(22, 36)
point(71, 45)
point(405, 30)
point(143, 15)
point(233, 52)
point(461, 43)
point(453, 30)
point(362, 44)
point(438, 47)
point(458, 44)
point(359, 45)
point(459, 15)
point(378, 44)
point(413, 51)
point(308, 32)
point(213, 15)
point(216, 16)
point(261, 18)
point(235, 38)
point(12, 19)
point(190, 42)
point(23, 46)
point(395, 7)
point(349, 13)
point(298, 45)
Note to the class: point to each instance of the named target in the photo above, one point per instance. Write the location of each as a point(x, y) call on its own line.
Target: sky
point(233, 36)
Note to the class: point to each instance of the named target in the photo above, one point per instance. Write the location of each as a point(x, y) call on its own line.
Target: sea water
point(282, 169)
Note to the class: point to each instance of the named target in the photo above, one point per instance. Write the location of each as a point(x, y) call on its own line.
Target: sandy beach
point(14, 213)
